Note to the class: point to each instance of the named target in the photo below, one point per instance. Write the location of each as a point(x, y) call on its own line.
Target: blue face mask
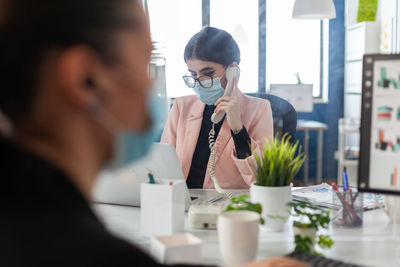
point(209, 95)
point(129, 145)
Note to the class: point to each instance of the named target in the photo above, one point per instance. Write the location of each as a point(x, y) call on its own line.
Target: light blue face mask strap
point(219, 78)
point(212, 78)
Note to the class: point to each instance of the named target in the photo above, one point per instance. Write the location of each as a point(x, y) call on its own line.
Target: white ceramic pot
point(310, 232)
point(274, 201)
point(238, 236)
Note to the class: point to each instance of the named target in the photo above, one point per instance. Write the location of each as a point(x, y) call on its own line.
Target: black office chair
point(283, 113)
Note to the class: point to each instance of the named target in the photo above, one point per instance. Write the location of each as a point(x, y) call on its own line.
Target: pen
point(345, 180)
point(351, 197)
point(354, 217)
point(334, 186)
point(215, 199)
point(151, 177)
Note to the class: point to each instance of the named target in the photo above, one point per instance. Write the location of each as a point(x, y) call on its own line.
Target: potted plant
point(308, 219)
point(276, 167)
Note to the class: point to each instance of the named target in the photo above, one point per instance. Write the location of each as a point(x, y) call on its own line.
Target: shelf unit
point(379, 36)
point(347, 127)
point(361, 38)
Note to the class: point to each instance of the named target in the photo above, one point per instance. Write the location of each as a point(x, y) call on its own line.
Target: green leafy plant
point(241, 203)
point(303, 244)
point(279, 163)
point(298, 78)
point(309, 216)
point(325, 241)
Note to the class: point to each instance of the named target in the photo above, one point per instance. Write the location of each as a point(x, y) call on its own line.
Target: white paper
point(321, 195)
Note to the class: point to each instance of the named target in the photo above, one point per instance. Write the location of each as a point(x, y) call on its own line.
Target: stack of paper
point(322, 195)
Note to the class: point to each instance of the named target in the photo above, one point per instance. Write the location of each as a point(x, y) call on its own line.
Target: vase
point(274, 200)
point(305, 232)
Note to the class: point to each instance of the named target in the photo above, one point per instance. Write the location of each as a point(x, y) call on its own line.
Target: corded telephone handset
point(231, 73)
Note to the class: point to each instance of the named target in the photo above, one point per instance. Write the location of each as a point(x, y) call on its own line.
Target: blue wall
point(331, 112)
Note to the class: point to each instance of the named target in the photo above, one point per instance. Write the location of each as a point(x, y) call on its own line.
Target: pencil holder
point(162, 209)
point(350, 211)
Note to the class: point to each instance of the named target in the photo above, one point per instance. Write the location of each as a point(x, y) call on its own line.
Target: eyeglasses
point(205, 81)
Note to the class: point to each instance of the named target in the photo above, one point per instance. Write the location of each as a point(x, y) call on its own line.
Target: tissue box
point(162, 209)
point(179, 248)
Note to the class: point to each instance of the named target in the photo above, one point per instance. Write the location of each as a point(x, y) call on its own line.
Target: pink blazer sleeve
point(260, 129)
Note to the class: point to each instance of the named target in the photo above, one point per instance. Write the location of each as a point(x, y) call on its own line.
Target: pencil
point(151, 177)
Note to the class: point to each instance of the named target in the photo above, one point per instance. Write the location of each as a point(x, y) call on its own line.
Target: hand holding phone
point(231, 73)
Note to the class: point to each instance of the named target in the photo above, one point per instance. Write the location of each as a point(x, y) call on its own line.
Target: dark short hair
point(29, 29)
point(212, 44)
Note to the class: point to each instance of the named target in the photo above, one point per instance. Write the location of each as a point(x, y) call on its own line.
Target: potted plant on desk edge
point(308, 219)
point(276, 167)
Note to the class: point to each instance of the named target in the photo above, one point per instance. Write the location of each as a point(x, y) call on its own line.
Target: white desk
point(377, 243)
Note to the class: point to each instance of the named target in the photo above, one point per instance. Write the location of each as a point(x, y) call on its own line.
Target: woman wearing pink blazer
point(248, 120)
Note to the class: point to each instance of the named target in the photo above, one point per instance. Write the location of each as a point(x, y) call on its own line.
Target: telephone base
point(204, 216)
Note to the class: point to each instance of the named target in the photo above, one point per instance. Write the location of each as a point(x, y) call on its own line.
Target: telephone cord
point(211, 142)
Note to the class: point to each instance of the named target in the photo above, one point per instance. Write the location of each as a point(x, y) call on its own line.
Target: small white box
point(162, 207)
point(179, 248)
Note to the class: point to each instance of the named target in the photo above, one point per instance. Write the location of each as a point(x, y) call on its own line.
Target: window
point(240, 19)
point(172, 24)
point(293, 46)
